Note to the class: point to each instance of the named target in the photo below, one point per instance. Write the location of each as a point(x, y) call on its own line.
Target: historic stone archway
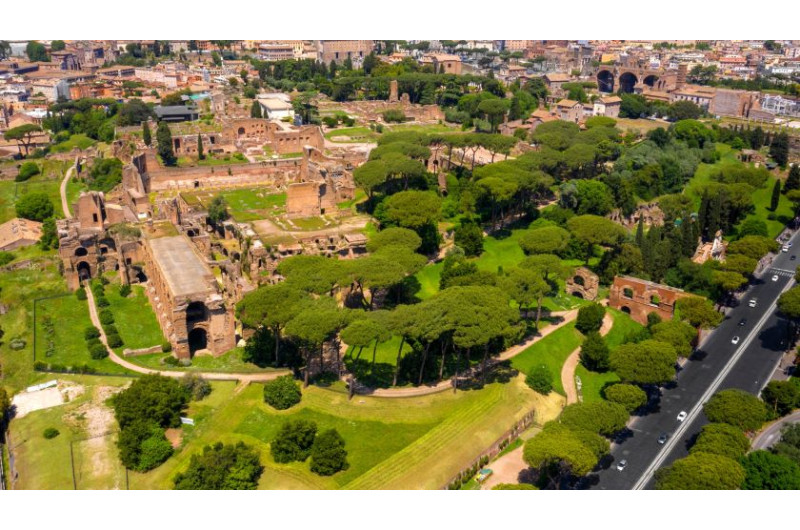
point(81, 251)
point(625, 309)
point(195, 312)
point(84, 271)
point(627, 82)
point(651, 80)
point(605, 81)
point(198, 340)
point(583, 284)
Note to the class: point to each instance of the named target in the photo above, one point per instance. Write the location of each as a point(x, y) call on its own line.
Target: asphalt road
point(717, 365)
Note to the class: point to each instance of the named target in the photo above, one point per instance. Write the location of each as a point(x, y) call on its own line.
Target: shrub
point(102, 301)
point(114, 340)
point(196, 386)
point(90, 333)
point(629, 396)
point(35, 206)
point(328, 454)
point(50, 433)
point(97, 351)
point(293, 441)
point(282, 393)
point(394, 115)
point(5, 257)
point(166, 346)
point(737, 408)
point(590, 318)
point(111, 329)
point(602, 417)
point(171, 361)
point(124, 290)
point(81, 293)
point(106, 317)
point(540, 379)
point(222, 467)
point(26, 171)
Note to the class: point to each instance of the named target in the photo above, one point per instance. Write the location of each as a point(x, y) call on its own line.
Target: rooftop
point(183, 270)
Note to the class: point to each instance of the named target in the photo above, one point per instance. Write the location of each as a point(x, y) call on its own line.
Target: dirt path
point(67, 176)
point(244, 379)
point(568, 370)
point(568, 316)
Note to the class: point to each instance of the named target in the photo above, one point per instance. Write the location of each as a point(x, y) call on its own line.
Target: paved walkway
point(64, 202)
point(568, 316)
point(244, 379)
point(568, 370)
point(772, 433)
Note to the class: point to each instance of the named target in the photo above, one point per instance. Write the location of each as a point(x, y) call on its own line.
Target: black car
point(742, 322)
point(663, 438)
point(793, 257)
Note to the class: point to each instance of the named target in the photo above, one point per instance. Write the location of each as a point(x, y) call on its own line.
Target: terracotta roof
point(567, 103)
point(18, 232)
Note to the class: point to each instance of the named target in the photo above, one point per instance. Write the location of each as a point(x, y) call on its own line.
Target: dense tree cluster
point(221, 467)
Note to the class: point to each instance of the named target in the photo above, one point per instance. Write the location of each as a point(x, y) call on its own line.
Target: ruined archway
point(198, 340)
point(627, 82)
point(81, 251)
point(195, 312)
point(625, 309)
point(84, 271)
point(651, 80)
point(577, 294)
point(240, 132)
point(605, 81)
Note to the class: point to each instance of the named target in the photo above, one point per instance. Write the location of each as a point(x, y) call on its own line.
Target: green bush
point(111, 329)
point(124, 290)
point(90, 333)
point(102, 301)
point(222, 467)
point(328, 455)
point(26, 171)
point(97, 351)
point(590, 318)
point(114, 340)
point(5, 257)
point(171, 361)
point(81, 293)
point(166, 346)
point(282, 393)
point(197, 387)
point(540, 379)
point(394, 115)
point(293, 441)
point(106, 317)
point(50, 433)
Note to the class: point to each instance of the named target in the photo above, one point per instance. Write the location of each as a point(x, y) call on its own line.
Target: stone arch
point(605, 81)
point(84, 271)
point(81, 251)
point(196, 312)
point(578, 279)
point(577, 294)
point(651, 80)
point(240, 132)
point(198, 340)
point(625, 309)
point(627, 82)
point(627, 292)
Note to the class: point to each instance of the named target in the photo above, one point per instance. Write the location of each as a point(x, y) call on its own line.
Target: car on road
point(663, 438)
point(682, 415)
point(774, 277)
point(789, 244)
point(742, 322)
point(621, 465)
point(785, 248)
point(735, 340)
point(792, 257)
point(752, 302)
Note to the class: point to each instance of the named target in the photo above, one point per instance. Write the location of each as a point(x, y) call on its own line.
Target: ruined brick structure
point(639, 298)
point(583, 283)
point(87, 248)
point(187, 299)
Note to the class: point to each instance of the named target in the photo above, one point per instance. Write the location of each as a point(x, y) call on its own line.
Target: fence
point(504, 440)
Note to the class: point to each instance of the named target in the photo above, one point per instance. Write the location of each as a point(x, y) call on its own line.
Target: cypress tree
point(640, 232)
point(793, 180)
point(776, 196)
point(200, 154)
point(146, 136)
point(779, 150)
point(164, 143)
point(255, 110)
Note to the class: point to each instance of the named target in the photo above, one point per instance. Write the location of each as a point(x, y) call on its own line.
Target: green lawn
point(62, 341)
point(428, 278)
point(244, 204)
point(551, 351)
point(410, 443)
point(353, 135)
point(593, 382)
point(504, 252)
point(230, 362)
point(81, 141)
point(309, 223)
point(134, 318)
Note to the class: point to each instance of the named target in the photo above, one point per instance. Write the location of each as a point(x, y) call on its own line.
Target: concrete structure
point(339, 50)
point(442, 63)
point(639, 298)
point(569, 110)
point(607, 106)
point(18, 233)
point(187, 299)
point(276, 109)
point(176, 113)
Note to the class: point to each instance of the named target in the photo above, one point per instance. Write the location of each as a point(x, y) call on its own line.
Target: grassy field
point(134, 318)
point(416, 442)
point(309, 223)
point(230, 362)
point(593, 382)
point(551, 351)
point(352, 135)
point(62, 341)
point(245, 204)
point(81, 141)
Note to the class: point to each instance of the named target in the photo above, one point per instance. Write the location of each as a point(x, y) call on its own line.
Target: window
point(655, 299)
point(627, 292)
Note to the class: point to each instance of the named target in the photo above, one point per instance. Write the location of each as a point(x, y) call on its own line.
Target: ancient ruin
point(583, 283)
point(639, 298)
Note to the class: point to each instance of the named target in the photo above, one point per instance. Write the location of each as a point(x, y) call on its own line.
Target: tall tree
point(200, 154)
point(255, 110)
point(776, 196)
point(23, 135)
point(272, 306)
point(779, 150)
point(164, 144)
point(793, 180)
point(146, 135)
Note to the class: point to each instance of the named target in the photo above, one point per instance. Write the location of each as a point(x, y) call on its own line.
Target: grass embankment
point(550, 351)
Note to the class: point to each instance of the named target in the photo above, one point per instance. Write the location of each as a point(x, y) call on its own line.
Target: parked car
point(621, 465)
point(785, 248)
point(792, 257)
point(752, 302)
point(682, 415)
point(742, 322)
point(774, 277)
point(663, 438)
point(735, 340)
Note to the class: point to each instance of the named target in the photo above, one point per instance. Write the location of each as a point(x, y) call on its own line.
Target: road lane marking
point(676, 437)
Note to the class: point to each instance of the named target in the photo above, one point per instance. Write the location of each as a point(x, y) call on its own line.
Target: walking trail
point(64, 202)
point(568, 316)
point(568, 370)
point(244, 379)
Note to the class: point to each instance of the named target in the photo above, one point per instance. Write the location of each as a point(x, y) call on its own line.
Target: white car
point(682, 415)
point(785, 248)
point(621, 465)
point(735, 340)
point(752, 302)
point(775, 278)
